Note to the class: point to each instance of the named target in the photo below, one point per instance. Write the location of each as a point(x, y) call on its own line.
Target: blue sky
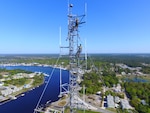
point(112, 26)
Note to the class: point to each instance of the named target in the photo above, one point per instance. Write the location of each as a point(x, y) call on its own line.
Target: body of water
point(136, 80)
point(28, 102)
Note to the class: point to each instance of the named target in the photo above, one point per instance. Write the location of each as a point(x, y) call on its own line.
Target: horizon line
point(65, 54)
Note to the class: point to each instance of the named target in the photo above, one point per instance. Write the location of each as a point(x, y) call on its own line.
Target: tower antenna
point(60, 39)
point(75, 49)
point(85, 55)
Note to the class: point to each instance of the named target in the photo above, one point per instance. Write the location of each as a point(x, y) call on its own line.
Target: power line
point(35, 111)
point(97, 71)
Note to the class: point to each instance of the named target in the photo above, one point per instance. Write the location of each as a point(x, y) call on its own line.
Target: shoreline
point(33, 64)
point(17, 94)
point(6, 100)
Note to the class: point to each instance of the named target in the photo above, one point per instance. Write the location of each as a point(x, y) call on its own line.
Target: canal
point(28, 102)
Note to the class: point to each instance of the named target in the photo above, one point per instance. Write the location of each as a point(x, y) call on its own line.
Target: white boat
point(22, 94)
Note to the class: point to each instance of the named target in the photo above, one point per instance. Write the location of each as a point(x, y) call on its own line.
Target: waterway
point(28, 102)
point(135, 79)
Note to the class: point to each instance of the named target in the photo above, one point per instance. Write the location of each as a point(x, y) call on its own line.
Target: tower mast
point(75, 50)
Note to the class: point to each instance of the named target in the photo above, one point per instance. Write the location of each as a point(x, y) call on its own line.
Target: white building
point(110, 101)
point(31, 75)
point(98, 93)
point(9, 90)
point(125, 104)
point(123, 73)
point(18, 76)
point(1, 83)
point(117, 99)
point(27, 86)
point(2, 98)
point(117, 88)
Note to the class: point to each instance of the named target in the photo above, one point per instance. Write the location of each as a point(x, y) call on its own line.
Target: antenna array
point(75, 49)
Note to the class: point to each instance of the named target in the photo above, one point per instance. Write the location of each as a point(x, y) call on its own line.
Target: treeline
point(41, 59)
point(109, 77)
point(132, 60)
point(94, 82)
point(91, 82)
point(38, 80)
point(145, 70)
point(16, 82)
point(120, 95)
point(15, 71)
point(139, 92)
point(110, 80)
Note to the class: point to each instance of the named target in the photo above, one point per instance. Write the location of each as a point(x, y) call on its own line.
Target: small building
point(117, 88)
point(18, 76)
point(31, 75)
point(98, 93)
point(1, 83)
point(7, 91)
point(117, 99)
point(6, 75)
point(3, 79)
point(110, 101)
point(125, 104)
point(14, 89)
point(123, 73)
point(2, 98)
point(27, 86)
